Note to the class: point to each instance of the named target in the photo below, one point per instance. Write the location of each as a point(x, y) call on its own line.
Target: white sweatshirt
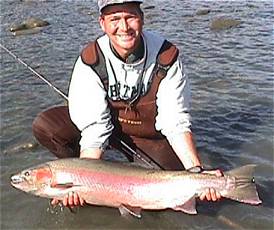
point(88, 105)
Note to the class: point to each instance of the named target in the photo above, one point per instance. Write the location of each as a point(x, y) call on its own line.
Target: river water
point(231, 74)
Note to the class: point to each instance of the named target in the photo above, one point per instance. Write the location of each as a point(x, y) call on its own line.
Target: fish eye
point(27, 173)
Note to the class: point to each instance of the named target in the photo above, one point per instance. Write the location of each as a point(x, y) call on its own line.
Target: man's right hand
point(92, 153)
point(71, 200)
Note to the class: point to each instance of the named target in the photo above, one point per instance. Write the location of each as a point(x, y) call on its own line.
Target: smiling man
point(123, 25)
point(129, 85)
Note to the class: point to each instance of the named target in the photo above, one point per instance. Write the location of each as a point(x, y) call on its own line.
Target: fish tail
point(245, 188)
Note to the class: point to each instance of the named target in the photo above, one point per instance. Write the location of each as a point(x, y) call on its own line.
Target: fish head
point(33, 180)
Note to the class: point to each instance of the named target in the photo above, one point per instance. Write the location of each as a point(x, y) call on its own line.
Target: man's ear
point(143, 17)
point(102, 23)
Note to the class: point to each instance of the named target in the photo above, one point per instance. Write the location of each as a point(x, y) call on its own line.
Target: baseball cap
point(103, 3)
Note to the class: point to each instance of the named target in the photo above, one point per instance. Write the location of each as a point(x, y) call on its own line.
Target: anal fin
point(188, 207)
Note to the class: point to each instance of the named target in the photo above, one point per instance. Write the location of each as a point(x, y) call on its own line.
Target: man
point(127, 87)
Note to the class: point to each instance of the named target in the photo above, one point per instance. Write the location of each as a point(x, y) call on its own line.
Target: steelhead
point(132, 188)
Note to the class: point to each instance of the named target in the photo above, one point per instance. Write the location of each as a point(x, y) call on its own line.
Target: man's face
point(123, 24)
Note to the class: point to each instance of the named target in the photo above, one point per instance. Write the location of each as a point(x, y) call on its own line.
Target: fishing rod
point(129, 151)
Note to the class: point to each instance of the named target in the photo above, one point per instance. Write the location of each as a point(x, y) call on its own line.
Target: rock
point(27, 31)
point(224, 23)
point(31, 146)
point(202, 12)
point(149, 7)
point(30, 23)
point(250, 5)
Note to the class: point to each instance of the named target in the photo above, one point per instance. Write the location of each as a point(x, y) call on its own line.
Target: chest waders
point(134, 121)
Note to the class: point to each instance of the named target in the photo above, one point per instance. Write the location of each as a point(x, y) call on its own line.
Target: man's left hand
point(210, 194)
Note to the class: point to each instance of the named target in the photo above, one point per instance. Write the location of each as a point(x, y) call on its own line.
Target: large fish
point(132, 188)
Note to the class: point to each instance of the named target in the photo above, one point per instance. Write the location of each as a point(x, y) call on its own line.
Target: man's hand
point(70, 200)
point(73, 199)
point(211, 194)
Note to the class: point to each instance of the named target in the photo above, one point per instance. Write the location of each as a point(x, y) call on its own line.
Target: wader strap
point(93, 56)
point(167, 55)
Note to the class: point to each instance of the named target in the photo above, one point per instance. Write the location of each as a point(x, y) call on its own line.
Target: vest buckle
point(162, 70)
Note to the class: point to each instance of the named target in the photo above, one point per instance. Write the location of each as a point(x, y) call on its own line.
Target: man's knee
point(43, 126)
point(54, 130)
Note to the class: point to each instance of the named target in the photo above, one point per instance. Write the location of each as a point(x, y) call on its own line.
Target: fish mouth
point(16, 179)
point(19, 182)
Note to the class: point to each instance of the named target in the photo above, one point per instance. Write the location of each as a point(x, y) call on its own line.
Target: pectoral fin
point(134, 211)
point(63, 180)
point(188, 207)
point(63, 185)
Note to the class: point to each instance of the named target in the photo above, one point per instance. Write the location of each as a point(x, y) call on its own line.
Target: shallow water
point(231, 73)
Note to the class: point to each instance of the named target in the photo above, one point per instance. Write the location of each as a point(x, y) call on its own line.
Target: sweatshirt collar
point(134, 57)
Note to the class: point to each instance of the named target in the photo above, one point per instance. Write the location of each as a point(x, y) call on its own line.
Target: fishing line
point(150, 162)
point(35, 72)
